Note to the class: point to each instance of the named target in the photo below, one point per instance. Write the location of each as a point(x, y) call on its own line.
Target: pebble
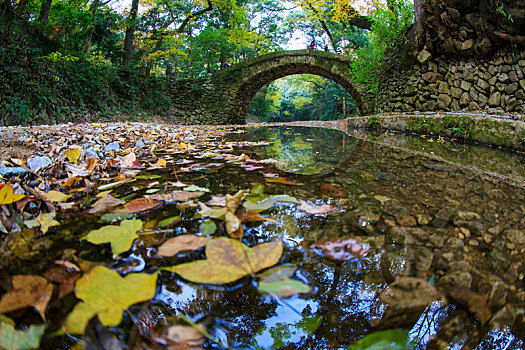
point(12, 171)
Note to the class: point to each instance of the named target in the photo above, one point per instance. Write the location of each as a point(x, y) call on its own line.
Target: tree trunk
point(44, 12)
point(130, 34)
point(418, 31)
point(87, 42)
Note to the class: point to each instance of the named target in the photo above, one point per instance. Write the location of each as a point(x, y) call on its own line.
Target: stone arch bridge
point(224, 97)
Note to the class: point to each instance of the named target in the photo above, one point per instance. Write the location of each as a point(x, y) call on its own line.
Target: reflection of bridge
point(225, 96)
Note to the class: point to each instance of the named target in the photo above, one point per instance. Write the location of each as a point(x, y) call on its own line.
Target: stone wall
point(495, 84)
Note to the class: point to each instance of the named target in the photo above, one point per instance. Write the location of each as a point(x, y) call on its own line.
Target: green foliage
point(392, 339)
point(386, 37)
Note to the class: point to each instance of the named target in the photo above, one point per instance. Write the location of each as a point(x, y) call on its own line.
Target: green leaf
point(392, 339)
point(210, 212)
point(168, 221)
point(105, 293)
point(268, 202)
point(121, 237)
point(229, 260)
point(115, 217)
point(284, 288)
point(207, 228)
point(12, 339)
point(194, 188)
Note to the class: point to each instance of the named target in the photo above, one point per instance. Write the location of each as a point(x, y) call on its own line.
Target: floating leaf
point(232, 202)
point(139, 204)
point(194, 188)
point(160, 163)
point(168, 221)
point(216, 202)
point(121, 237)
point(12, 339)
point(281, 180)
point(28, 290)
point(105, 293)
point(127, 161)
point(232, 224)
point(103, 194)
point(110, 185)
point(210, 212)
point(115, 217)
point(316, 209)
point(277, 281)
point(284, 288)
point(72, 154)
point(268, 202)
point(207, 228)
point(181, 243)
point(7, 196)
point(105, 203)
point(229, 260)
point(182, 337)
point(56, 196)
point(152, 190)
point(46, 221)
point(176, 196)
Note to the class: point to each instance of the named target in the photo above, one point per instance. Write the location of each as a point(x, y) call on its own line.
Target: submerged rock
point(406, 299)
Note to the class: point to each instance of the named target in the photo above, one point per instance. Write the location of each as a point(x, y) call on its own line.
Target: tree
point(130, 33)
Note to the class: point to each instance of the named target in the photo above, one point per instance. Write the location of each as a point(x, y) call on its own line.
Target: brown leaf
point(64, 277)
point(216, 202)
point(233, 225)
point(127, 161)
point(340, 250)
point(139, 204)
point(28, 290)
point(181, 243)
point(175, 196)
point(105, 203)
point(251, 216)
point(232, 202)
point(91, 164)
point(182, 338)
point(316, 209)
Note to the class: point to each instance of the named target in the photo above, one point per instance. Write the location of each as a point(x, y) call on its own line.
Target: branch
point(359, 20)
point(191, 16)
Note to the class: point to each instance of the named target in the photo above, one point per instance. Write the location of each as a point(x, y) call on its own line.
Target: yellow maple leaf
point(7, 196)
point(72, 154)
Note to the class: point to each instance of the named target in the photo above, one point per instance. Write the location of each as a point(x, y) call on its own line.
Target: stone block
point(424, 56)
point(513, 76)
point(473, 106)
point(465, 85)
point(511, 88)
point(443, 88)
point(495, 99)
point(483, 84)
point(520, 94)
point(467, 45)
point(465, 99)
point(522, 84)
point(455, 92)
point(504, 78)
point(493, 80)
point(444, 101)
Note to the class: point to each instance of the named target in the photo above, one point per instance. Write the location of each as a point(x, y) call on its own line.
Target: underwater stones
point(406, 298)
point(455, 279)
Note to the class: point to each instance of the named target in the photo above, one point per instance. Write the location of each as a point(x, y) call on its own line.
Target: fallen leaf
point(181, 243)
point(55, 196)
point(216, 213)
point(121, 237)
point(216, 202)
point(284, 288)
point(12, 339)
point(267, 203)
point(182, 337)
point(252, 216)
point(105, 293)
point(65, 277)
point(28, 290)
point(207, 228)
point(72, 154)
point(232, 202)
point(194, 188)
point(340, 250)
point(229, 260)
point(91, 164)
point(127, 161)
point(316, 209)
point(7, 196)
point(120, 177)
point(281, 180)
point(169, 221)
point(176, 196)
point(140, 204)
point(105, 203)
point(46, 221)
point(160, 163)
point(232, 224)
point(110, 217)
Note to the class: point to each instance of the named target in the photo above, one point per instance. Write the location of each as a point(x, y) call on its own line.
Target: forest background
point(83, 60)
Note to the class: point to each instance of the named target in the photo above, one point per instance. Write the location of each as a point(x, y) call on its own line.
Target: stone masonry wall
point(433, 84)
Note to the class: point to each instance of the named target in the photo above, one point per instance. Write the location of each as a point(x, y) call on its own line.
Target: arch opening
point(301, 97)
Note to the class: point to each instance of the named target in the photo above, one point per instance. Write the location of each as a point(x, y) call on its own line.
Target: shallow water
point(442, 225)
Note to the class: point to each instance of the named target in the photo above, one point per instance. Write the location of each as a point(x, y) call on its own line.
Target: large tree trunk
point(468, 27)
point(87, 41)
point(130, 34)
point(44, 12)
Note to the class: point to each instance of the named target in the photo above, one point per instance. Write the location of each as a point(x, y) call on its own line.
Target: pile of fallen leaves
point(76, 170)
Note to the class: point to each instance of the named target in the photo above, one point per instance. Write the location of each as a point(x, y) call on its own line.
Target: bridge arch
point(259, 71)
point(225, 96)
